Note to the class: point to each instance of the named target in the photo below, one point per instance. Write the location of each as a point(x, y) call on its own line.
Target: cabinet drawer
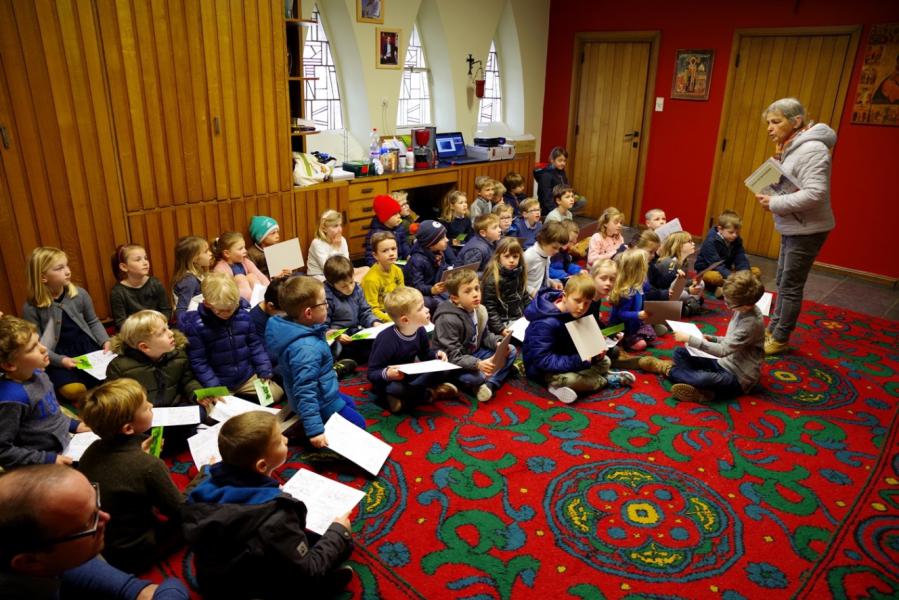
point(367, 189)
point(356, 246)
point(361, 209)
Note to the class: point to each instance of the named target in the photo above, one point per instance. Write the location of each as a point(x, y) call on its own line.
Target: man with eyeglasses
point(51, 533)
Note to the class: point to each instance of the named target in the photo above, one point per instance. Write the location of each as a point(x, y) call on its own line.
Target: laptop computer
point(451, 150)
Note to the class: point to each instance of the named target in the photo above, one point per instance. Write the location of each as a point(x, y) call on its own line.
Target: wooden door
point(612, 85)
point(813, 67)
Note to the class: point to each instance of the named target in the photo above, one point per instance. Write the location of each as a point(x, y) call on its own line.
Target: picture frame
point(387, 48)
point(370, 11)
point(877, 90)
point(692, 74)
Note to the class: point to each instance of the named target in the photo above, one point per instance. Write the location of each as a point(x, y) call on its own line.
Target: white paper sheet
point(284, 255)
point(176, 415)
point(79, 443)
point(231, 406)
point(518, 328)
point(204, 446)
point(586, 336)
point(99, 361)
point(258, 294)
point(426, 366)
point(672, 226)
point(324, 498)
point(195, 303)
point(692, 330)
point(764, 303)
point(356, 444)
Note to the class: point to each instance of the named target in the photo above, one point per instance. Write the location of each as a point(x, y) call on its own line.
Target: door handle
point(4, 134)
point(631, 135)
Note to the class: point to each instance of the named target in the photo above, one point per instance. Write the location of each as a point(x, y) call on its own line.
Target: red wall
point(865, 184)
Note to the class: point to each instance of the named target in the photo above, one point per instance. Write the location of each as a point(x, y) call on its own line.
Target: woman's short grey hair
point(788, 107)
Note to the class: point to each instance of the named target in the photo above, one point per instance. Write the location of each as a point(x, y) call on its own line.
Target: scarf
point(779, 148)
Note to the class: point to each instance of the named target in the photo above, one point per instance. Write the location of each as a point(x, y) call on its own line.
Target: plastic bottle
point(374, 153)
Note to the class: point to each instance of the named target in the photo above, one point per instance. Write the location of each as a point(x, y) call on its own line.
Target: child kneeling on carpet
point(460, 330)
point(298, 338)
point(740, 351)
point(248, 537)
point(136, 485)
point(401, 344)
point(550, 355)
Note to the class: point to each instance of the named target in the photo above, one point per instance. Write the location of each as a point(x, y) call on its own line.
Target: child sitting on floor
point(230, 251)
point(655, 218)
point(136, 485)
point(536, 258)
point(249, 538)
point(265, 232)
point(328, 242)
point(485, 190)
point(454, 216)
point(136, 288)
point(504, 286)
point(403, 343)
point(515, 191)
point(672, 265)
point(347, 309)
point(723, 244)
point(193, 259)
point(562, 265)
point(550, 355)
point(740, 352)
point(563, 196)
point(479, 248)
point(427, 263)
point(528, 224)
point(627, 300)
point(384, 276)
point(460, 330)
point(504, 213)
point(606, 242)
point(388, 219)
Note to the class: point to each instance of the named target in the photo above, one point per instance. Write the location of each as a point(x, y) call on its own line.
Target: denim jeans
point(704, 373)
point(797, 254)
point(474, 379)
point(591, 379)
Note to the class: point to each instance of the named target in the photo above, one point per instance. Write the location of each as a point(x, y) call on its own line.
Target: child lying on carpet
point(249, 537)
point(740, 351)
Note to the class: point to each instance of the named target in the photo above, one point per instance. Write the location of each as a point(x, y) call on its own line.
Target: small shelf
point(302, 22)
point(302, 133)
point(302, 79)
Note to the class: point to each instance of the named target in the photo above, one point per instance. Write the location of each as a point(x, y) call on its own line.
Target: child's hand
point(319, 441)
point(344, 339)
point(209, 401)
point(106, 347)
point(438, 288)
point(285, 272)
point(68, 363)
point(486, 366)
point(556, 285)
point(394, 374)
point(82, 428)
point(505, 332)
point(642, 315)
point(680, 336)
point(441, 355)
point(681, 274)
point(63, 460)
point(598, 358)
point(695, 290)
point(345, 521)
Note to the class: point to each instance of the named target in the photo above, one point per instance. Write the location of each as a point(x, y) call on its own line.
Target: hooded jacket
point(454, 331)
point(714, 248)
point(807, 158)
point(422, 270)
point(308, 370)
point(476, 250)
point(510, 303)
point(249, 538)
point(169, 381)
point(549, 348)
point(402, 242)
point(224, 352)
point(352, 312)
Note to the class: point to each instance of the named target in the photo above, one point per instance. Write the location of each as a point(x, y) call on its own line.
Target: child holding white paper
point(33, 428)
point(298, 338)
point(193, 259)
point(672, 265)
point(460, 330)
point(740, 351)
point(550, 356)
point(248, 537)
point(606, 242)
point(136, 289)
point(504, 286)
point(264, 232)
point(401, 344)
point(347, 309)
point(136, 485)
point(655, 218)
point(230, 251)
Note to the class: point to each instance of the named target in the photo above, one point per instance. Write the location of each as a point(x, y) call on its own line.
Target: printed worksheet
point(204, 446)
point(231, 406)
point(79, 443)
point(324, 498)
point(356, 444)
point(692, 330)
point(426, 366)
point(176, 415)
point(95, 363)
point(518, 328)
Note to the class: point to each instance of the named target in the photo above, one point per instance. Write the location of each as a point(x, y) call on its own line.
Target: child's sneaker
point(773, 346)
point(651, 364)
point(518, 367)
point(345, 366)
point(620, 378)
point(687, 393)
point(563, 393)
point(484, 393)
point(444, 391)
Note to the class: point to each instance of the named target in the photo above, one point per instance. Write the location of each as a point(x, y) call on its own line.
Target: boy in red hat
point(387, 217)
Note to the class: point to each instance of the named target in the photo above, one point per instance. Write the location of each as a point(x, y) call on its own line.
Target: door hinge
point(582, 57)
point(577, 129)
point(737, 63)
point(723, 144)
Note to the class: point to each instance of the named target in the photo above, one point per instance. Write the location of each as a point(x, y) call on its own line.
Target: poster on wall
point(692, 74)
point(877, 95)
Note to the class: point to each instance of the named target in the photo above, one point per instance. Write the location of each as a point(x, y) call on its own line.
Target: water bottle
point(374, 154)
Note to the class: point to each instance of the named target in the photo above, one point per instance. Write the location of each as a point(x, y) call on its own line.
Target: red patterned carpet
point(790, 492)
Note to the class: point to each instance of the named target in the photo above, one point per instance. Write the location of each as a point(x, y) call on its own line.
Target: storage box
point(359, 168)
point(523, 146)
point(503, 152)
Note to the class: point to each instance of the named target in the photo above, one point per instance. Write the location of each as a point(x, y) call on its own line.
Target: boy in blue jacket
point(298, 338)
point(550, 355)
point(723, 243)
point(347, 309)
point(527, 225)
point(388, 217)
point(427, 263)
point(479, 248)
point(223, 347)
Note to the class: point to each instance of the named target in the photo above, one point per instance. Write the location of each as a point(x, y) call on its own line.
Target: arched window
point(491, 104)
point(321, 95)
point(414, 105)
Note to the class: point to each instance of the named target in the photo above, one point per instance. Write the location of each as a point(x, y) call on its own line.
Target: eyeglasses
point(319, 304)
point(87, 532)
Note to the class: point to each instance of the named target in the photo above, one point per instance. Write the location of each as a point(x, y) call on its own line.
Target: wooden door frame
point(854, 32)
point(580, 40)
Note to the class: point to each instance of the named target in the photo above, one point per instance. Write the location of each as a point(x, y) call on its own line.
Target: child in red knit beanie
point(387, 217)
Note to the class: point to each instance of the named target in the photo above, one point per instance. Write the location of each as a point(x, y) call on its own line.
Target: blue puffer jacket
point(422, 272)
point(352, 312)
point(548, 348)
point(714, 248)
point(224, 352)
point(476, 250)
point(308, 369)
point(402, 243)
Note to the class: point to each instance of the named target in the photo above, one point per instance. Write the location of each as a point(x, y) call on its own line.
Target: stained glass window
point(321, 95)
point(491, 104)
point(414, 105)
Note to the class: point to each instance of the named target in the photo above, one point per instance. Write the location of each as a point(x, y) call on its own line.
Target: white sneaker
point(484, 393)
point(564, 394)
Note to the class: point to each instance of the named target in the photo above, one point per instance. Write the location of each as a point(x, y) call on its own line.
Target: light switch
point(660, 103)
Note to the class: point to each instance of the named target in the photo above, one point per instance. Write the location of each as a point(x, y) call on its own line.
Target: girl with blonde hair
point(627, 297)
point(328, 242)
point(606, 242)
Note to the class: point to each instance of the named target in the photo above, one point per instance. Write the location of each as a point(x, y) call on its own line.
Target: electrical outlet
point(384, 101)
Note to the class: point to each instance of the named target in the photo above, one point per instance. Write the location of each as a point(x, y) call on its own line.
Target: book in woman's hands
point(771, 180)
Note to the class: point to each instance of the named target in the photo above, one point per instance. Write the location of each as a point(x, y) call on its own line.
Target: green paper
point(156, 441)
point(82, 362)
point(212, 392)
point(460, 237)
point(362, 336)
point(610, 331)
point(401, 263)
point(263, 392)
point(335, 334)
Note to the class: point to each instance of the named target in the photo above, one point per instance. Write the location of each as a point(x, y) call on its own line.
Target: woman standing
point(803, 218)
